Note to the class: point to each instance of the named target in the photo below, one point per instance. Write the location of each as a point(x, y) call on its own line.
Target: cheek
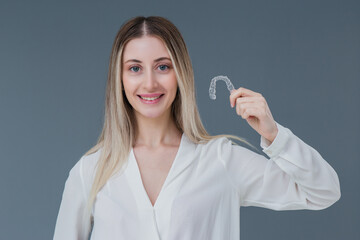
point(173, 83)
point(128, 85)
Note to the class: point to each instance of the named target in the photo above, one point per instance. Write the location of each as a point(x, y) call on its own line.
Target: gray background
point(303, 56)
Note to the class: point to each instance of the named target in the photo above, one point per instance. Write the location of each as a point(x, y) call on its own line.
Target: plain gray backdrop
point(303, 56)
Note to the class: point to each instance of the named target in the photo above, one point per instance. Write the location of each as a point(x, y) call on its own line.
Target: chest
point(197, 197)
point(154, 167)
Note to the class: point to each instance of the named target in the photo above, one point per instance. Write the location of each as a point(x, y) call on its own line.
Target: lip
point(150, 95)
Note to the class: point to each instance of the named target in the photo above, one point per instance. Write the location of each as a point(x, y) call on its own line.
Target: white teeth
point(150, 98)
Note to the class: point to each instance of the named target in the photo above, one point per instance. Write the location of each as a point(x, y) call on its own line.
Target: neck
point(155, 132)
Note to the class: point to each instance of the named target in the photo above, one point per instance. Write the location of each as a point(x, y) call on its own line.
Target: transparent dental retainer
point(212, 89)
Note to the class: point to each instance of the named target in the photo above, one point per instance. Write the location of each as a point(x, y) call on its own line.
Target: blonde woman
point(156, 173)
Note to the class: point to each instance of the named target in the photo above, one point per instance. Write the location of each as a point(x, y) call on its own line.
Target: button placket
point(155, 223)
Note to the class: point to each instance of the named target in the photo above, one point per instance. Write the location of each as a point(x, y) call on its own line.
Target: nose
point(150, 81)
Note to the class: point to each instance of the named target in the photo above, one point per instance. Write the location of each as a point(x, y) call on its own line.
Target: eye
point(134, 69)
point(163, 67)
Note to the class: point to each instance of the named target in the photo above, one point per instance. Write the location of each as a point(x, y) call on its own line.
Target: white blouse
point(202, 194)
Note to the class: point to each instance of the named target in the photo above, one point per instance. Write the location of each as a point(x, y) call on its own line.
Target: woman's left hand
point(253, 107)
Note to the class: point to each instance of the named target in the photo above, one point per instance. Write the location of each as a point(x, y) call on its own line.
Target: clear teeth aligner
point(212, 89)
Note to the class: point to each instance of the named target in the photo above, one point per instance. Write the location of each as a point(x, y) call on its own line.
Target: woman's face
point(147, 72)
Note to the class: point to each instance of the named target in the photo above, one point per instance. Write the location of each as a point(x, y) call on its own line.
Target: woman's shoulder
point(214, 144)
point(86, 165)
point(222, 146)
point(89, 161)
point(216, 141)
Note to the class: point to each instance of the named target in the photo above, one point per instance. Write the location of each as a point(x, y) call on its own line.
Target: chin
point(150, 114)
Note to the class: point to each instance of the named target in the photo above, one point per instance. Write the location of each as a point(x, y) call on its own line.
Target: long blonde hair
point(118, 133)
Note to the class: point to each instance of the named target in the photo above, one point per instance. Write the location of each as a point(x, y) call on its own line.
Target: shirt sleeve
point(70, 224)
point(295, 177)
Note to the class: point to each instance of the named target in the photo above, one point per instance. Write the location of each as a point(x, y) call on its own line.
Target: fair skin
point(143, 74)
point(147, 69)
point(252, 107)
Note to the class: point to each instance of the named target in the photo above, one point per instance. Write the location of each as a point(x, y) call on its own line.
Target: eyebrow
point(156, 60)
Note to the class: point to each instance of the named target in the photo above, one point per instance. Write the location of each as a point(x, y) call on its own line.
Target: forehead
point(145, 48)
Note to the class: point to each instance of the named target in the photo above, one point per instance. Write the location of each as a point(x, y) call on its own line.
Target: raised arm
point(295, 177)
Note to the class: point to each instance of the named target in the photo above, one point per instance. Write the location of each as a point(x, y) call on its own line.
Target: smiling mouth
point(151, 98)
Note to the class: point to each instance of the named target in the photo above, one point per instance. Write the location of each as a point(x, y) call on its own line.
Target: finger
point(244, 92)
point(241, 92)
point(248, 100)
point(251, 102)
point(241, 107)
point(259, 99)
point(251, 112)
point(256, 102)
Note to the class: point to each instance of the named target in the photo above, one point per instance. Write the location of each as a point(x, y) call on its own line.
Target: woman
point(156, 173)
